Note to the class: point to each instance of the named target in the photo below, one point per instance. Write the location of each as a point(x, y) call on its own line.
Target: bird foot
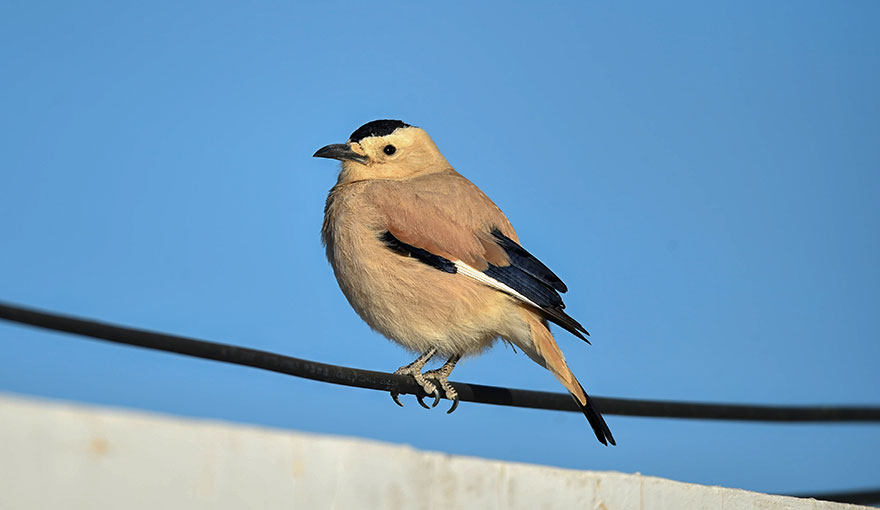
point(441, 375)
point(427, 386)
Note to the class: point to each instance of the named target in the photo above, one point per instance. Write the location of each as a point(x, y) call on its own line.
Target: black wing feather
point(531, 278)
point(424, 256)
point(528, 263)
point(525, 274)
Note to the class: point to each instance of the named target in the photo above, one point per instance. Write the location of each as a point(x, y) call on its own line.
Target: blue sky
point(705, 178)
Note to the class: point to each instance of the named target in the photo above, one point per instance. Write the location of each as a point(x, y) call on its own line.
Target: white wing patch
point(491, 282)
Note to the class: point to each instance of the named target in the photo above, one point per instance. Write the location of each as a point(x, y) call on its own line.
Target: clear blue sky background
point(705, 178)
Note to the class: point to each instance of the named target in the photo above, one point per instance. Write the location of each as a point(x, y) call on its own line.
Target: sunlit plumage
point(429, 261)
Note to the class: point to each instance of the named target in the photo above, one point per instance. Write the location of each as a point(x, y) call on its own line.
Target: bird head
point(385, 149)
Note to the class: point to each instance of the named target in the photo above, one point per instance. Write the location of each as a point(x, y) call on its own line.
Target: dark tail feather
point(600, 428)
point(567, 322)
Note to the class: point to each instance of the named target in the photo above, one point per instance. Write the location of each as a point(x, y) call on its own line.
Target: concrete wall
point(69, 456)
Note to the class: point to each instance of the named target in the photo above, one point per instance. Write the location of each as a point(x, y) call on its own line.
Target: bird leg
point(415, 370)
point(441, 375)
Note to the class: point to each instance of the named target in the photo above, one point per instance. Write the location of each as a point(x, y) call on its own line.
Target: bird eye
point(390, 149)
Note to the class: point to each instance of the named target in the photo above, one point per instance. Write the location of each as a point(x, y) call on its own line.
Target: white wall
point(68, 456)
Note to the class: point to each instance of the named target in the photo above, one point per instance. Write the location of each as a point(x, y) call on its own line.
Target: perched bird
point(429, 261)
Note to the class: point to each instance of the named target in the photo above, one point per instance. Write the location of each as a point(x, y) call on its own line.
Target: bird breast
point(408, 301)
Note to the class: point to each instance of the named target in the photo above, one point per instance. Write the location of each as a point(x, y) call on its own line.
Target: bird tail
point(554, 361)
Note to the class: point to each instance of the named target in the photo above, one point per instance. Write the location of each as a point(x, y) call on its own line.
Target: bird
point(429, 261)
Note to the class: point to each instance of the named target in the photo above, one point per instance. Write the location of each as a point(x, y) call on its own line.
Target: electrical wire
point(403, 384)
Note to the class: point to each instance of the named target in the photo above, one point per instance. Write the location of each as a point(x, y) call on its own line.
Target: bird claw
point(414, 369)
point(441, 376)
point(436, 396)
point(396, 398)
point(428, 387)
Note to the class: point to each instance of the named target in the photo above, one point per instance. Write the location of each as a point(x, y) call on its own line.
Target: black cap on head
point(376, 128)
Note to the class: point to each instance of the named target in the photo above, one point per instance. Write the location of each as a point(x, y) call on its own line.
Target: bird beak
point(340, 151)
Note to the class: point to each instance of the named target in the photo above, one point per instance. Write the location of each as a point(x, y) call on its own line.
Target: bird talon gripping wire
point(436, 396)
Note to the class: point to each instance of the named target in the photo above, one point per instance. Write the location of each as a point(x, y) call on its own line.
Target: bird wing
point(445, 221)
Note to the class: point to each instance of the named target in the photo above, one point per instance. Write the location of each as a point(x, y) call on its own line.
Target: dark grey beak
point(340, 151)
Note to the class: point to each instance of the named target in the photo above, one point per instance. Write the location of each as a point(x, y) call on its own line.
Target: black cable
point(860, 497)
point(404, 384)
